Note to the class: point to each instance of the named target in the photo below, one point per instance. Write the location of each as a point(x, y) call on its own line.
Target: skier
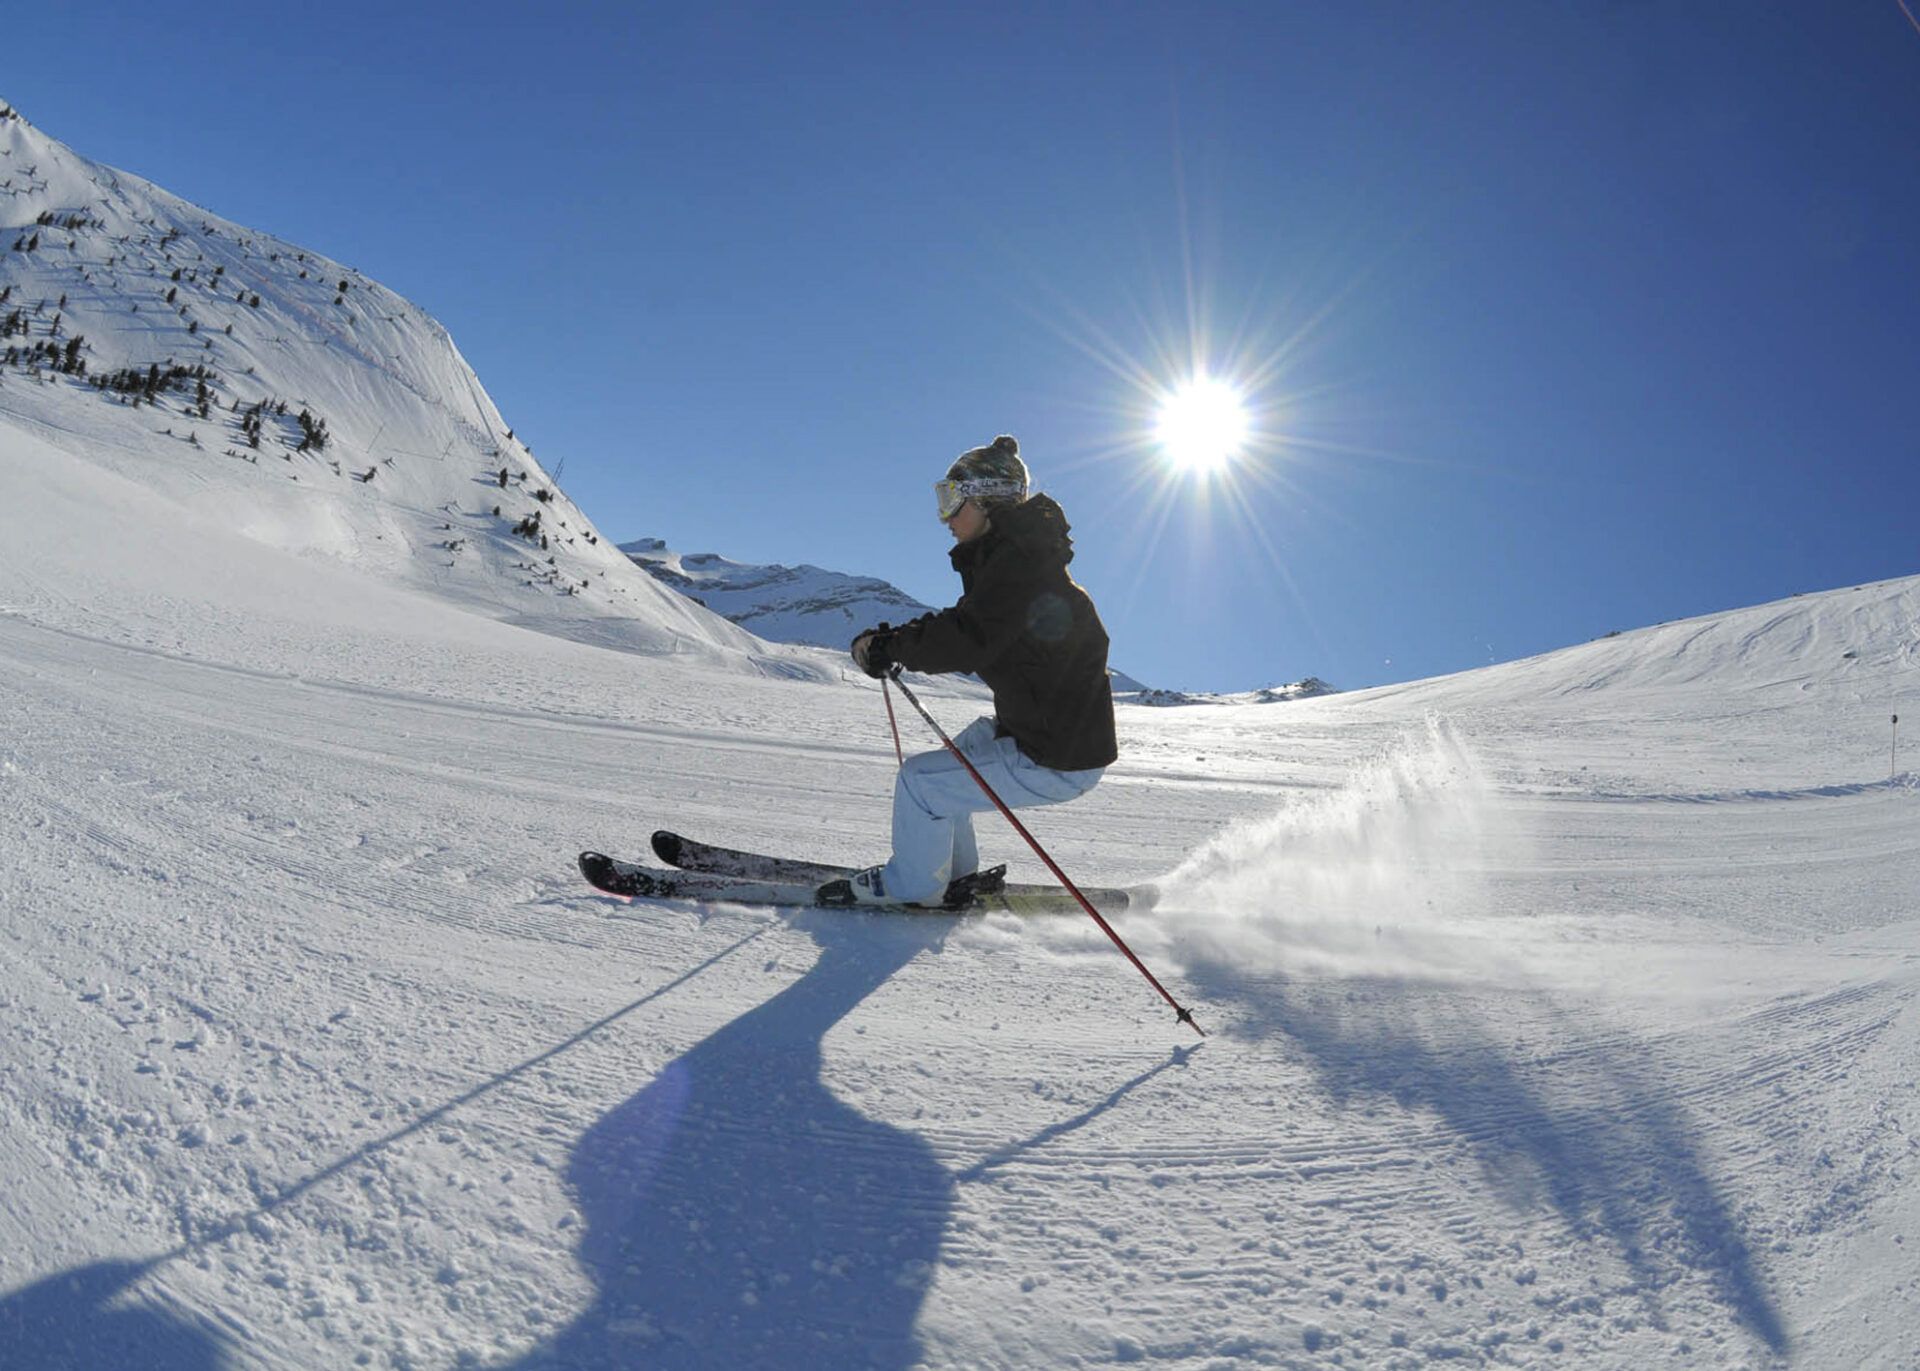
point(1025, 628)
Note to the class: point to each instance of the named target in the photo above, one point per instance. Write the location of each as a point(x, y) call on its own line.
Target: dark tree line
point(51, 356)
point(150, 384)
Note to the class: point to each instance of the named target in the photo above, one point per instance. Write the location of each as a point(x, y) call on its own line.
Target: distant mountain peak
point(786, 604)
point(1310, 688)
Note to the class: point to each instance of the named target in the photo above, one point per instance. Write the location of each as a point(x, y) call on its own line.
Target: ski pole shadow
point(1000, 1156)
point(739, 1214)
point(1597, 1138)
point(214, 1232)
point(85, 1319)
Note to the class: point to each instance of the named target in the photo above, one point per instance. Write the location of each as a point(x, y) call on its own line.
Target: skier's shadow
point(87, 1318)
point(738, 1214)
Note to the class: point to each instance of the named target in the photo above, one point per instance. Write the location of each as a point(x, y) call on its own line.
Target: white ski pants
point(934, 801)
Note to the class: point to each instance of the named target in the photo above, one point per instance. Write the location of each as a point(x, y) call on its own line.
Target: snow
point(803, 604)
point(1561, 1013)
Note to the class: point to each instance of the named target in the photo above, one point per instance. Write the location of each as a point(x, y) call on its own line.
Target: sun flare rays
point(1215, 441)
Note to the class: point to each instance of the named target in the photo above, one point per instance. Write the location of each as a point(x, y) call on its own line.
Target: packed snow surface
point(1560, 1013)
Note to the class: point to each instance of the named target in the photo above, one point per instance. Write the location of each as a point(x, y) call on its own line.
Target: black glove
point(873, 651)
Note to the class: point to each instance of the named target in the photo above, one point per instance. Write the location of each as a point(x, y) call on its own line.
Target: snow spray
point(1363, 879)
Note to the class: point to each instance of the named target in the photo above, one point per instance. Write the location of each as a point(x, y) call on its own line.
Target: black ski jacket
point(1025, 628)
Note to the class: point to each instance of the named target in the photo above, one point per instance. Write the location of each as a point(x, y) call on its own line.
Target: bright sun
point(1202, 426)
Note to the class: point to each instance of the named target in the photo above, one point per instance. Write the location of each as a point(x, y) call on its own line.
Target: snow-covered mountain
point(783, 604)
point(294, 400)
point(1311, 688)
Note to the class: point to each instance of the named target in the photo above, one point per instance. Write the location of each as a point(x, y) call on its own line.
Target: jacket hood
point(1037, 527)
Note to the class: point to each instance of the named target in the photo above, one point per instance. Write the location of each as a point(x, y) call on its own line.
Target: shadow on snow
point(89, 1318)
point(86, 1319)
point(1598, 1136)
point(738, 1214)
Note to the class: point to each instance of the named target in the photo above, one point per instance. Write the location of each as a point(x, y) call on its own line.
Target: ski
point(633, 881)
point(691, 855)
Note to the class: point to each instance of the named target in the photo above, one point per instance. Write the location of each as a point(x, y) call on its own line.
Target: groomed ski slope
point(1562, 1013)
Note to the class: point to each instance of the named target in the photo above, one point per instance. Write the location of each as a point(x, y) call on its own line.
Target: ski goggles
point(950, 495)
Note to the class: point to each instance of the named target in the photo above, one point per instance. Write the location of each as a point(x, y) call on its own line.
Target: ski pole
point(887, 695)
point(1184, 1016)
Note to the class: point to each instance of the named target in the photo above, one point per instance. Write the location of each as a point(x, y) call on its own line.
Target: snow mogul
point(1025, 628)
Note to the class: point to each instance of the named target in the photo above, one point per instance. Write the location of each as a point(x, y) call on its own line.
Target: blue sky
point(1566, 318)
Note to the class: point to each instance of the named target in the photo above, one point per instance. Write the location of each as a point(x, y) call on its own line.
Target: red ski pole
point(887, 695)
point(1184, 1016)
